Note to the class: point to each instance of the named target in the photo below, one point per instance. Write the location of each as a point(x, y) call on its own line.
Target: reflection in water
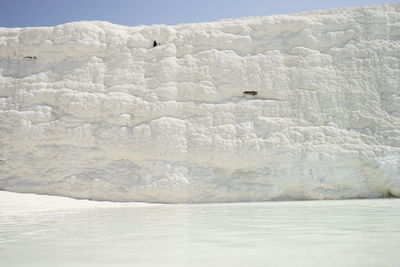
point(312, 233)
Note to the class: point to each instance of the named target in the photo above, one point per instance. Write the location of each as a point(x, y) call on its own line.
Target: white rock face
point(92, 110)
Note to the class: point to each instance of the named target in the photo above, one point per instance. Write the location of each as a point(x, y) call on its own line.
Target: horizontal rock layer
point(93, 110)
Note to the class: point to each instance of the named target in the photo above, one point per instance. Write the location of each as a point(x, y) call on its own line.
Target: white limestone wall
point(92, 110)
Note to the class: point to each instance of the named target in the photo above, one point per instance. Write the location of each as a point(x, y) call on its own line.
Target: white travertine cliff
point(93, 110)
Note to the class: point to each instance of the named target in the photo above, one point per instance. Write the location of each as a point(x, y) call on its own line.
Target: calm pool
point(310, 233)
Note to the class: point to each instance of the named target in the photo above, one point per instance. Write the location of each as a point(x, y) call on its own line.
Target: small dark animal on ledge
point(250, 92)
point(155, 43)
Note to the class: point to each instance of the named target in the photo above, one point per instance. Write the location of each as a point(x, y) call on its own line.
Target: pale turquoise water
point(312, 233)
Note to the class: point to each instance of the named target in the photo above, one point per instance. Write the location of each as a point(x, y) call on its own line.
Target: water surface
point(310, 233)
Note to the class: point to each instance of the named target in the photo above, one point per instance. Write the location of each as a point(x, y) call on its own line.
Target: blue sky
point(25, 13)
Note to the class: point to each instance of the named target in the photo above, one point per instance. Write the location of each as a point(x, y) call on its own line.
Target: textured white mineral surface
point(93, 110)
